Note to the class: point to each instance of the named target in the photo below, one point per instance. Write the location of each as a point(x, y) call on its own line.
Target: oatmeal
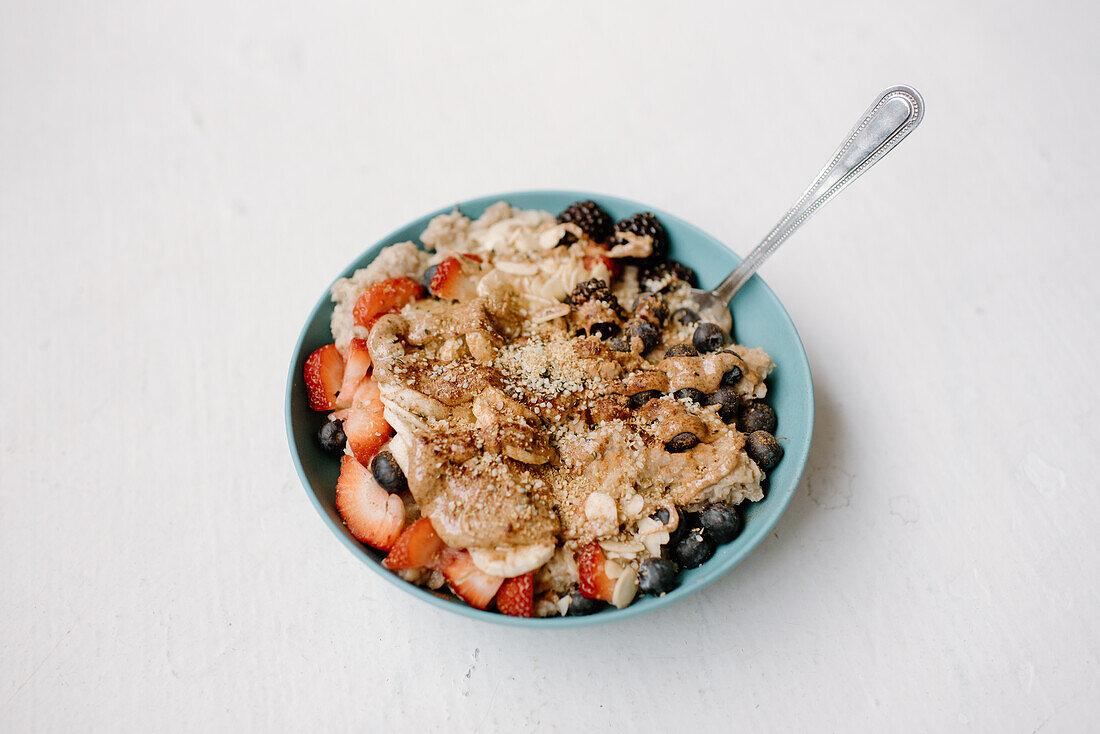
point(528, 412)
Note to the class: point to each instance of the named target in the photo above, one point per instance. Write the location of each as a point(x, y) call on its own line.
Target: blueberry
point(685, 316)
point(732, 376)
point(644, 330)
point(637, 400)
point(764, 449)
point(681, 442)
point(681, 350)
point(581, 606)
point(695, 396)
point(619, 344)
point(757, 416)
point(661, 515)
point(426, 278)
point(708, 338)
point(694, 549)
point(651, 307)
point(604, 330)
point(664, 517)
point(722, 522)
point(332, 437)
point(728, 402)
point(387, 473)
point(657, 576)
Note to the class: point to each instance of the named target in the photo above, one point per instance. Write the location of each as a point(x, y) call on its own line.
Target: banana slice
point(510, 562)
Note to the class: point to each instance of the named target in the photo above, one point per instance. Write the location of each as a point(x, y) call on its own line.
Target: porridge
point(526, 411)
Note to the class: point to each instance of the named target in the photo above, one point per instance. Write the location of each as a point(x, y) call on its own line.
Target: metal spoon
point(891, 117)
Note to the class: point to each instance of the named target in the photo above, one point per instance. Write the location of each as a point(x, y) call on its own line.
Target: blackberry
point(644, 224)
point(592, 290)
point(594, 221)
point(660, 272)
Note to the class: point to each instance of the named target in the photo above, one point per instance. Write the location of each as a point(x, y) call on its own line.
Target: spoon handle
point(891, 117)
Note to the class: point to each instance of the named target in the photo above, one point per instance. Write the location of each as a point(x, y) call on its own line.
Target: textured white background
point(179, 181)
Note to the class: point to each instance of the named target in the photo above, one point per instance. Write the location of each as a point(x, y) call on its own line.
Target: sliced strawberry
point(470, 583)
point(516, 597)
point(365, 426)
point(418, 547)
point(373, 515)
point(383, 296)
point(594, 582)
point(324, 371)
point(449, 281)
point(355, 369)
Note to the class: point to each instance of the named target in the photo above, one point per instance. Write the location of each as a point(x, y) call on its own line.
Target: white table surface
point(179, 181)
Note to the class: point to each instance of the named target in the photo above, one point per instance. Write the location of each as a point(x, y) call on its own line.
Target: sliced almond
point(654, 541)
point(626, 588)
point(517, 268)
point(549, 313)
point(622, 547)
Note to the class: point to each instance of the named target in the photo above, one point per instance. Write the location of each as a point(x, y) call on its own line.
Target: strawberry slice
point(364, 425)
point(470, 583)
point(384, 296)
point(449, 281)
point(516, 597)
point(324, 371)
point(373, 515)
point(355, 369)
point(594, 582)
point(418, 547)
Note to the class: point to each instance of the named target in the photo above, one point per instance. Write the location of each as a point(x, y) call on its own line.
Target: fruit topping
point(383, 297)
point(388, 473)
point(331, 437)
point(764, 449)
point(417, 547)
point(324, 372)
point(516, 597)
point(372, 515)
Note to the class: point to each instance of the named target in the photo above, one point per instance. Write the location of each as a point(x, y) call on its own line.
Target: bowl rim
point(758, 530)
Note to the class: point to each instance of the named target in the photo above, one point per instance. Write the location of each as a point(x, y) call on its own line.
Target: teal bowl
point(759, 318)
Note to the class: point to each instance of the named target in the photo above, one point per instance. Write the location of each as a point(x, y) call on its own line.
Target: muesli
point(525, 410)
